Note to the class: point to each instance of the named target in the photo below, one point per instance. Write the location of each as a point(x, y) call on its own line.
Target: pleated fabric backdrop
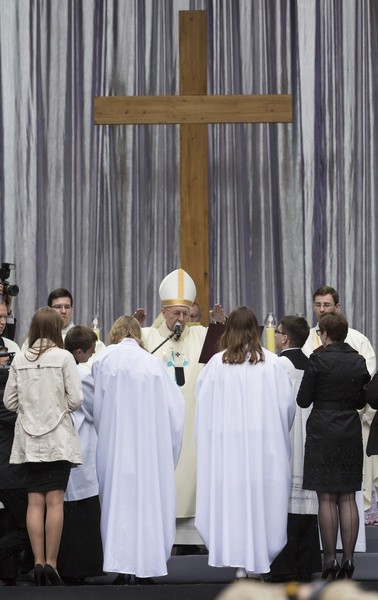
point(95, 209)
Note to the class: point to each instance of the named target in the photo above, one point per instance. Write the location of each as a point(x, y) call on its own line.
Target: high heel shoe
point(39, 575)
point(52, 576)
point(346, 570)
point(331, 570)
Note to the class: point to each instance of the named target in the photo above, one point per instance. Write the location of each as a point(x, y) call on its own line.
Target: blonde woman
point(43, 387)
point(138, 413)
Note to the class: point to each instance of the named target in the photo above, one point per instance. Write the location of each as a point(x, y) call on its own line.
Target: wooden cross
point(193, 110)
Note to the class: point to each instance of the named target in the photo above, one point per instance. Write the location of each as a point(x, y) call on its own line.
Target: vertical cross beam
point(194, 228)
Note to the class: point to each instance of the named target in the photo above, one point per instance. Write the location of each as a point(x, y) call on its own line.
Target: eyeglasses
point(280, 332)
point(62, 306)
point(324, 304)
point(319, 332)
point(177, 313)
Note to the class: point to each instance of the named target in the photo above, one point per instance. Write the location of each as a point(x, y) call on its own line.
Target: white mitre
point(177, 289)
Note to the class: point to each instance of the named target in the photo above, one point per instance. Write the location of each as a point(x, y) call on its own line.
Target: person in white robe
point(245, 408)
point(179, 353)
point(326, 300)
point(139, 417)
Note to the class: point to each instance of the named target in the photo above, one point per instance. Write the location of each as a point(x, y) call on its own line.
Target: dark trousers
point(301, 555)
point(16, 502)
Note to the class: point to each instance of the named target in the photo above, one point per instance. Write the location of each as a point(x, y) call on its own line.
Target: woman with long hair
point(245, 408)
point(333, 383)
point(43, 387)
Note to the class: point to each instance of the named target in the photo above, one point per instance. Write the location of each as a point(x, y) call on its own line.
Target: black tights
point(338, 507)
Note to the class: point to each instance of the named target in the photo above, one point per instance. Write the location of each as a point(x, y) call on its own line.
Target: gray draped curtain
point(95, 209)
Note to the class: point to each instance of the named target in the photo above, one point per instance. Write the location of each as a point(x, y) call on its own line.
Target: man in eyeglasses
point(301, 556)
point(180, 355)
point(326, 300)
point(61, 300)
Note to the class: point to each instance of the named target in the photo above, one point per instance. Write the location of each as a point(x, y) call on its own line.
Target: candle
point(270, 339)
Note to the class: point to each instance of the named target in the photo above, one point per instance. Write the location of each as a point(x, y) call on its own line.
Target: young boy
point(80, 553)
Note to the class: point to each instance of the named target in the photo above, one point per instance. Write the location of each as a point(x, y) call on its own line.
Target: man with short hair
point(61, 300)
point(6, 342)
point(10, 326)
point(326, 300)
point(301, 557)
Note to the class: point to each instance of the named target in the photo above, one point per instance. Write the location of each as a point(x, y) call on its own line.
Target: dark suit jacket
point(10, 475)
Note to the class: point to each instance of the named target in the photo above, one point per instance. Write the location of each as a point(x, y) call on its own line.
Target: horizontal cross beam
point(142, 110)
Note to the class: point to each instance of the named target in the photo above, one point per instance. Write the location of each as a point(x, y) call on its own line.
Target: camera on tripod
point(8, 289)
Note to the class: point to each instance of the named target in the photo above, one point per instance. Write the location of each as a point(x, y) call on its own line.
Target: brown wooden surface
point(181, 109)
point(194, 238)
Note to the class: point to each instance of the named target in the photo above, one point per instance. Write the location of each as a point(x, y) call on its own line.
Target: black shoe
point(52, 577)
point(331, 570)
point(39, 575)
point(122, 579)
point(145, 581)
point(346, 570)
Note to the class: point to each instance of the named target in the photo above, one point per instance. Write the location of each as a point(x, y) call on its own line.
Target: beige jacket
point(43, 392)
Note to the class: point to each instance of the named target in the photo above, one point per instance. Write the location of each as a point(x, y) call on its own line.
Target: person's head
point(325, 300)
point(347, 590)
point(195, 313)
point(3, 316)
point(177, 293)
point(241, 338)
point(291, 332)
point(81, 342)
point(61, 301)
point(45, 325)
point(248, 589)
point(176, 314)
point(332, 328)
point(125, 327)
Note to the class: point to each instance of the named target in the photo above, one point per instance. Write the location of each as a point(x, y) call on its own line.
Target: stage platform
point(189, 578)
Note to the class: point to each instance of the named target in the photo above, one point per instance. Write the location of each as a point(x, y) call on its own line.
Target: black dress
point(333, 382)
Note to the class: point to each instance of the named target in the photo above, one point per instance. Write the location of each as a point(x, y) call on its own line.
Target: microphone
point(177, 330)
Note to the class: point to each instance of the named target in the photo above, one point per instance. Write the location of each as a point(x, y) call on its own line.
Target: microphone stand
point(163, 342)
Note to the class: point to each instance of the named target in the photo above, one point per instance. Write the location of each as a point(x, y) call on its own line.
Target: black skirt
point(333, 458)
point(46, 476)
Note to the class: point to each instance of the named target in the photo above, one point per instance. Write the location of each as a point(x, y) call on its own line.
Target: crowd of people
point(137, 450)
